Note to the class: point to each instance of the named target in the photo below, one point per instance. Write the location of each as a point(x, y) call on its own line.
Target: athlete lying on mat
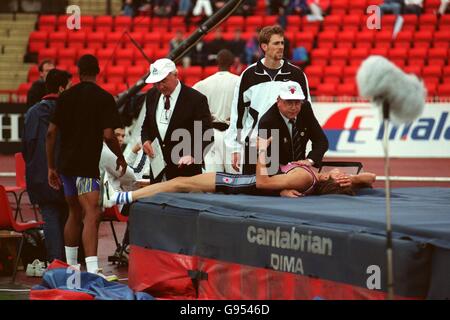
point(296, 180)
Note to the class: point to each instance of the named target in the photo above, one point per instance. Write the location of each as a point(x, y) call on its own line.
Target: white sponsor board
point(356, 130)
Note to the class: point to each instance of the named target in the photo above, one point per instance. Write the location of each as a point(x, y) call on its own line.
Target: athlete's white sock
point(123, 197)
point(92, 264)
point(71, 255)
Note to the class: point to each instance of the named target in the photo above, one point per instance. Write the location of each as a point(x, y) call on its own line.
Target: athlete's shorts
point(74, 186)
point(236, 183)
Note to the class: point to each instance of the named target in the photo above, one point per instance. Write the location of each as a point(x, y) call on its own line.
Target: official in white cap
point(171, 106)
point(294, 119)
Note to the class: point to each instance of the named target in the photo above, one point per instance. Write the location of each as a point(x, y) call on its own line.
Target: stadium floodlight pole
point(175, 55)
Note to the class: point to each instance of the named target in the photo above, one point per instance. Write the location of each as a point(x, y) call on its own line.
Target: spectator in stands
point(218, 4)
point(51, 203)
point(413, 7)
point(252, 50)
point(257, 92)
point(86, 115)
point(247, 8)
point(237, 45)
point(128, 8)
point(318, 8)
point(184, 7)
point(215, 46)
point(202, 6)
point(37, 90)
point(274, 6)
point(177, 40)
point(199, 54)
point(219, 90)
point(164, 8)
point(171, 106)
point(443, 7)
point(297, 7)
point(392, 6)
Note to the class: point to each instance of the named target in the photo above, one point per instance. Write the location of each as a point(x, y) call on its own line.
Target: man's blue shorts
point(75, 186)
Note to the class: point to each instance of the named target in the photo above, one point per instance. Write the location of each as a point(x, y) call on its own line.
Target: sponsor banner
point(11, 127)
point(356, 129)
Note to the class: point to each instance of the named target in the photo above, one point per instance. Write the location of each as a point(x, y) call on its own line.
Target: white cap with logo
point(290, 90)
point(160, 69)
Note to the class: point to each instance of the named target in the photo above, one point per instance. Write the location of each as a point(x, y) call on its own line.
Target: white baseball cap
point(160, 69)
point(291, 90)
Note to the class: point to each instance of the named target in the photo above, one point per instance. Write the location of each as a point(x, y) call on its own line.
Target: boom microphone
point(384, 83)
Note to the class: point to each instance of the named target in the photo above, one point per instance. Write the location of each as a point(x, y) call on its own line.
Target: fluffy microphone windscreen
point(380, 80)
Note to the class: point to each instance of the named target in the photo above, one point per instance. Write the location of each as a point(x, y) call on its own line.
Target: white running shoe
point(36, 268)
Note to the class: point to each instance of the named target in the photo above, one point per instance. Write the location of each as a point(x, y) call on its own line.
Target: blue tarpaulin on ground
point(89, 283)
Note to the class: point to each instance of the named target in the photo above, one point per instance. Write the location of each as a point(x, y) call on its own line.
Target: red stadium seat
point(320, 56)
point(115, 74)
point(270, 20)
point(428, 19)
point(57, 39)
point(124, 57)
point(114, 39)
point(76, 39)
point(333, 22)
point(152, 38)
point(137, 36)
point(110, 87)
point(122, 23)
point(352, 22)
point(436, 62)
point(339, 6)
point(49, 53)
point(235, 22)
point(423, 36)
point(431, 71)
point(294, 21)
point(441, 53)
point(209, 71)
point(33, 73)
point(383, 37)
point(347, 37)
point(347, 89)
point(92, 51)
point(326, 89)
point(314, 71)
point(359, 53)
point(95, 40)
point(37, 41)
point(418, 53)
point(350, 71)
point(340, 54)
point(443, 90)
point(104, 23)
point(190, 81)
point(47, 23)
point(253, 22)
point(387, 22)
point(331, 80)
point(379, 52)
point(397, 53)
point(417, 70)
point(404, 36)
point(178, 23)
point(142, 24)
point(134, 73)
point(67, 56)
point(193, 71)
point(333, 71)
point(86, 23)
point(441, 35)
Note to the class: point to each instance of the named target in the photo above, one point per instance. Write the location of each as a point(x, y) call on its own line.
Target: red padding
point(163, 275)
point(58, 294)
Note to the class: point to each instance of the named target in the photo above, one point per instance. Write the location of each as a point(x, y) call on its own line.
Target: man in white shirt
point(219, 90)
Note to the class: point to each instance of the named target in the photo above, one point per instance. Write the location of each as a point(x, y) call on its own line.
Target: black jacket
point(309, 129)
point(191, 106)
